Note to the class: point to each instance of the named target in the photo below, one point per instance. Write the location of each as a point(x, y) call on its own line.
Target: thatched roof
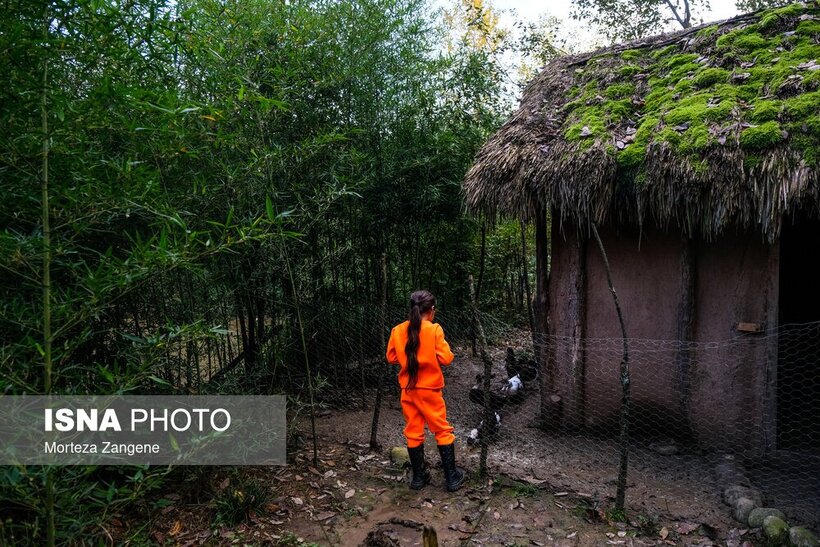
point(707, 128)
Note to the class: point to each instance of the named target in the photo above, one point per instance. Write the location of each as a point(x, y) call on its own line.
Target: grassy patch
point(521, 490)
point(234, 504)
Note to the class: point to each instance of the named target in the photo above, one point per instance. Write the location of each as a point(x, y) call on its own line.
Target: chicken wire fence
point(740, 413)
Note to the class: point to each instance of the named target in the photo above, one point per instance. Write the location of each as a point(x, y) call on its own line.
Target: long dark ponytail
point(420, 303)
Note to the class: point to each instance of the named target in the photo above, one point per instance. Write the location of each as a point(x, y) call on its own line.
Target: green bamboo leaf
point(160, 381)
point(269, 207)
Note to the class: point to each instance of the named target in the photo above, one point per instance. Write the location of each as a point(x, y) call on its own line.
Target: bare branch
point(684, 22)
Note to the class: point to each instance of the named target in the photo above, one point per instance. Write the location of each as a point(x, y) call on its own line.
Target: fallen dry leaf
point(664, 533)
point(686, 528)
point(350, 493)
point(175, 529)
point(325, 515)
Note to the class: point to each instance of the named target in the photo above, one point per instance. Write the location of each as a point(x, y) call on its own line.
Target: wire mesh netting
point(707, 420)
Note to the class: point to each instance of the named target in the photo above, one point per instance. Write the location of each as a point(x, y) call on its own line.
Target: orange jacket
point(433, 353)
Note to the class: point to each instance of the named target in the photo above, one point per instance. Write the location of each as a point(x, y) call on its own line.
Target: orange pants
point(421, 406)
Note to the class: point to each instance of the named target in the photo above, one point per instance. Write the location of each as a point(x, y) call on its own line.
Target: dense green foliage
point(190, 174)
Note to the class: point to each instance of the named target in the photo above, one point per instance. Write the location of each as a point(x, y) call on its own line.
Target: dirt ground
point(545, 489)
point(357, 497)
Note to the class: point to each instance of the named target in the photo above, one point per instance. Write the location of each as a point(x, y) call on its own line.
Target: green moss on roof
point(747, 74)
point(618, 91)
point(710, 76)
point(809, 28)
point(765, 110)
point(761, 137)
point(673, 61)
point(802, 106)
point(773, 17)
point(633, 155)
point(627, 71)
point(751, 41)
point(631, 54)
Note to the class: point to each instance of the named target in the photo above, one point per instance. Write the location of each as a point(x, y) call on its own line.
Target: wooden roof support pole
point(550, 402)
point(578, 313)
point(686, 331)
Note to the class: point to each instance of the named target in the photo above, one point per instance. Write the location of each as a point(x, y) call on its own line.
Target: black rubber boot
point(454, 477)
point(421, 475)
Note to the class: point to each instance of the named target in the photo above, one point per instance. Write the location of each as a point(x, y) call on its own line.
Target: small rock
point(800, 537)
point(743, 507)
point(759, 514)
point(776, 529)
point(732, 493)
point(399, 456)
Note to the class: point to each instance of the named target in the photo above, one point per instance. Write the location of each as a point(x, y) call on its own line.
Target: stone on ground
point(399, 456)
point(733, 493)
point(759, 514)
point(801, 537)
point(776, 530)
point(743, 508)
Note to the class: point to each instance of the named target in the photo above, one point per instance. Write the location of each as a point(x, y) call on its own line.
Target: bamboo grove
point(189, 187)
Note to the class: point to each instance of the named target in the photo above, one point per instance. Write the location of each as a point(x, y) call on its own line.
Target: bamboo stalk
point(374, 428)
point(51, 528)
point(305, 353)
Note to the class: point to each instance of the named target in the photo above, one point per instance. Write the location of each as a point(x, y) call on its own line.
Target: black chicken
point(497, 400)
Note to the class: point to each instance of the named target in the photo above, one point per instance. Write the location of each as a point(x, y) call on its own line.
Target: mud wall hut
point(695, 155)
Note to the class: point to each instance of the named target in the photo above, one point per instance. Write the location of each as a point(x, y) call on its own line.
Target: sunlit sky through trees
point(565, 33)
point(529, 10)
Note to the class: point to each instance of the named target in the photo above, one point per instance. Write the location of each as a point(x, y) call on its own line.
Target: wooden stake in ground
point(488, 367)
point(374, 428)
point(429, 537)
point(620, 497)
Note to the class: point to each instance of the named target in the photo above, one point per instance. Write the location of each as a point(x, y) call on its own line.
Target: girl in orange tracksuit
point(419, 348)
